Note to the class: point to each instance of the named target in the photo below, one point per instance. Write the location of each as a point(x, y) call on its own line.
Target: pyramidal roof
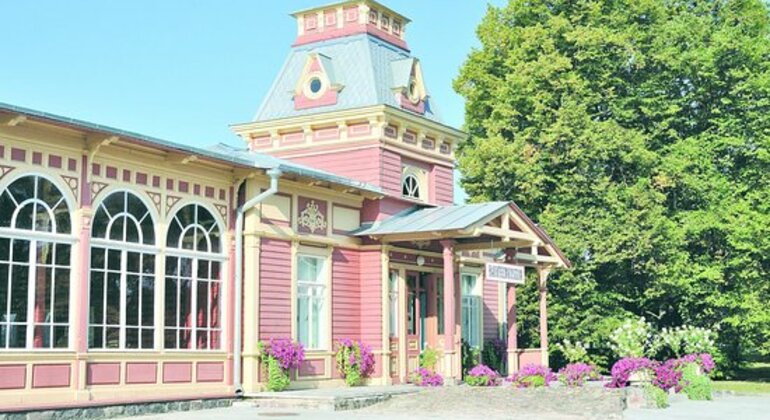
point(365, 68)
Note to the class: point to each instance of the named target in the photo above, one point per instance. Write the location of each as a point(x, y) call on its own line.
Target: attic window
point(315, 85)
point(413, 183)
point(410, 188)
point(414, 91)
point(385, 23)
point(397, 28)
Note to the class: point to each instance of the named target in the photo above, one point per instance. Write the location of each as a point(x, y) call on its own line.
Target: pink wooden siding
point(50, 376)
point(391, 172)
point(13, 376)
point(210, 372)
point(346, 294)
point(177, 372)
point(141, 373)
point(275, 289)
point(376, 210)
point(103, 374)
point(371, 298)
point(361, 165)
point(490, 310)
point(442, 178)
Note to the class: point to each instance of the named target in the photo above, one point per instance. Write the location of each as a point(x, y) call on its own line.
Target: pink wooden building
point(135, 269)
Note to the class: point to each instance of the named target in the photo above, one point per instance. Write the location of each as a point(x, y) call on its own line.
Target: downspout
point(274, 175)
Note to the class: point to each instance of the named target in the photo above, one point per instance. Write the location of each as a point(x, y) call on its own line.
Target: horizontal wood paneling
point(274, 289)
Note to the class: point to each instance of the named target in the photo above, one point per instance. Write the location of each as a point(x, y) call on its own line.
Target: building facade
point(133, 269)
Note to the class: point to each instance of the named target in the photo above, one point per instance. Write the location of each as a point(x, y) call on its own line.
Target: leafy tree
point(637, 132)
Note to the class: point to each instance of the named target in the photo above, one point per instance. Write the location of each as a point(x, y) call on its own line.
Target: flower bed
point(481, 375)
point(355, 361)
point(424, 377)
point(278, 356)
point(624, 368)
point(532, 376)
point(575, 374)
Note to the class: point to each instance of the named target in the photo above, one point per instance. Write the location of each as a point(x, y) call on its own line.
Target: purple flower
point(481, 375)
point(703, 359)
point(424, 377)
point(668, 375)
point(287, 353)
point(575, 374)
point(623, 368)
point(354, 355)
point(532, 376)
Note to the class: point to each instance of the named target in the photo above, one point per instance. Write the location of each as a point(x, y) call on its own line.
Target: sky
point(184, 70)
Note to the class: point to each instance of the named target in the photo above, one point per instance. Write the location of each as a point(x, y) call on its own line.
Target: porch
point(440, 289)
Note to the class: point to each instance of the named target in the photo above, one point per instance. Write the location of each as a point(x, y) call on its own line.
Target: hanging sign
point(505, 273)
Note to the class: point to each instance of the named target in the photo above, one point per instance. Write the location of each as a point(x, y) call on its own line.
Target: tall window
point(393, 304)
point(122, 287)
point(440, 305)
point(193, 281)
point(471, 310)
point(311, 301)
point(35, 246)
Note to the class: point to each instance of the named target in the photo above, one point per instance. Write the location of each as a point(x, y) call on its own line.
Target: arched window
point(35, 245)
point(410, 186)
point(122, 286)
point(193, 281)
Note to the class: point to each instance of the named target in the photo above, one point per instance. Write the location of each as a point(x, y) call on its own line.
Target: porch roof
point(494, 225)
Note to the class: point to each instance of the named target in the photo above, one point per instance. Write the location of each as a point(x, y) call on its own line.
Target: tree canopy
point(637, 133)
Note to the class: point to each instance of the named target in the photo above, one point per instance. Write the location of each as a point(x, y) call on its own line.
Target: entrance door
point(416, 306)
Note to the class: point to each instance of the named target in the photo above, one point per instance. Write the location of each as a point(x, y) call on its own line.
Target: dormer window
point(413, 183)
point(385, 23)
point(315, 85)
point(414, 91)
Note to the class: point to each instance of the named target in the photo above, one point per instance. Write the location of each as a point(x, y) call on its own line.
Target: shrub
point(696, 386)
point(687, 340)
point(279, 356)
point(704, 360)
point(632, 339)
point(429, 358)
point(494, 354)
point(656, 396)
point(573, 352)
point(424, 377)
point(532, 376)
point(355, 361)
point(470, 356)
point(575, 374)
point(481, 375)
point(624, 368)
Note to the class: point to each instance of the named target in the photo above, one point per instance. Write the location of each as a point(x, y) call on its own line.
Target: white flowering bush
point(633, 338)
point(573, 352)
point(688, 340)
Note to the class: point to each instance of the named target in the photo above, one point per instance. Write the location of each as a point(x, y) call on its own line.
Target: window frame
point(196, 256)
point(124, 248)
point(471, 306)
point(393, 307)
point(323, 289)
point(34, 236)
point(420, 183)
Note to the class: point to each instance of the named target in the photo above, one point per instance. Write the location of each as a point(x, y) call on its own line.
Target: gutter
point(274, 175)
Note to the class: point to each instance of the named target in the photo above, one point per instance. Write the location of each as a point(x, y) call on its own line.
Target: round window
point(414, 94)
point(315, 85)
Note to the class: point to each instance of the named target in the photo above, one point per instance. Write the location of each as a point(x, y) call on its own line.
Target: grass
point(754, 379)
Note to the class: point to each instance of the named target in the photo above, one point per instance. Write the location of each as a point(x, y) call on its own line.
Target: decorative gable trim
point(318, 84)
point(408, 85)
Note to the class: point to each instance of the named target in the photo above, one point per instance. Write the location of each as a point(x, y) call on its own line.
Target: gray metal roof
point(362, 63)
point(433, 219)
point(221, 152)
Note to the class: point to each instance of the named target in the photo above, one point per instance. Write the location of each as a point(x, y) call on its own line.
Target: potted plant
point(278, 356)
point(355, 361)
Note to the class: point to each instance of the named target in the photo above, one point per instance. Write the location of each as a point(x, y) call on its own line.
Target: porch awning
point(495, 225)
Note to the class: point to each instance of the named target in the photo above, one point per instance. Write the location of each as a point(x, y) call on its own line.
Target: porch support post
point(449, 306)
point(513, 342)
point(542, 273)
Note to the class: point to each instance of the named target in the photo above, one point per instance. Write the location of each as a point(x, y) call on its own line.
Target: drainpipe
point(274, 174)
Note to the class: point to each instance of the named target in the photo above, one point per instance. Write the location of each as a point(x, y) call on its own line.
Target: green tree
point(637, 133)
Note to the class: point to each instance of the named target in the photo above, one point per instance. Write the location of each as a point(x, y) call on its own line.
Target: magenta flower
point(532, 376)
point(424, 377)
point(575, 374)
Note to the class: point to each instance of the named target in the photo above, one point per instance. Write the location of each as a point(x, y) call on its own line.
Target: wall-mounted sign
point(505, 273)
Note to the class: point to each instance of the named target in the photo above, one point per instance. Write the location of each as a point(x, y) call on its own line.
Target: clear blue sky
point(183, 70)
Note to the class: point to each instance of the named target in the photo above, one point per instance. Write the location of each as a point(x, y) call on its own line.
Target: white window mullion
point(194, 305)
point(31, 293)
point(122, 313)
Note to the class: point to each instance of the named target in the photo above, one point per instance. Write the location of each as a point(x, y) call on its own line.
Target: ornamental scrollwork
point(311, 218)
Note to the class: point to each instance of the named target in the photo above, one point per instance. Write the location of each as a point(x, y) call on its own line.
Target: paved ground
point(492, 404)
point(730, 407)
